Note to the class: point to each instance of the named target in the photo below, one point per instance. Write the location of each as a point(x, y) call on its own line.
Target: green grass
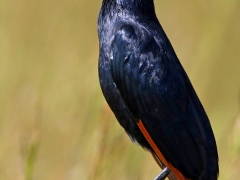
point(54, 121)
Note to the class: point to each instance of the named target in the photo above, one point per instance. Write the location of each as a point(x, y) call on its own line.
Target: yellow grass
point(54, 121)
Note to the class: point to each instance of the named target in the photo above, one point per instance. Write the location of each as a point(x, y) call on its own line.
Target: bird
point(150, 93)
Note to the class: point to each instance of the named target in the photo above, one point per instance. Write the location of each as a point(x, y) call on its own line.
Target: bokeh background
point(54, 121)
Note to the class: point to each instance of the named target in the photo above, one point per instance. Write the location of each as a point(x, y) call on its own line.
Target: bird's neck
point(137, 7)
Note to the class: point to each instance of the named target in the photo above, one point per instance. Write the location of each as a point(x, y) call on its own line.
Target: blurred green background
point(54, 121)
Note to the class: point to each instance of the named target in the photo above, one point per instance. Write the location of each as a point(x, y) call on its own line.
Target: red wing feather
point(159, 153)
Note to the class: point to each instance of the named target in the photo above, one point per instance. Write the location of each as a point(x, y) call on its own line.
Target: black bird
point(149, 92)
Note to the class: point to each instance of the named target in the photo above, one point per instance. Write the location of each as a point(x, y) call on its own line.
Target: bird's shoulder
point(136, 34)
point(143, 54)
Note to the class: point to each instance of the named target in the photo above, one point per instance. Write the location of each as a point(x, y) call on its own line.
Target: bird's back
point(143, 80)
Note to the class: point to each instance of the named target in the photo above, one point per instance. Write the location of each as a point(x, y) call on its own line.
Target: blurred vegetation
point(54, 121)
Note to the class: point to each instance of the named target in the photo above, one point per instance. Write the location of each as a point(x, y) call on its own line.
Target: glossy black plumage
point(142, 79)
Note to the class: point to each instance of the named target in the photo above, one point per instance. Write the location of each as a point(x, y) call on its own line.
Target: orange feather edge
point(145, 133)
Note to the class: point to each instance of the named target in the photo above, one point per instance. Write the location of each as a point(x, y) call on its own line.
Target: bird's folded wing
point(156, 89)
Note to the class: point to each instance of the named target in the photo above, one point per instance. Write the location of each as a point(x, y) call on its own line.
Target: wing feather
point(157, 91)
